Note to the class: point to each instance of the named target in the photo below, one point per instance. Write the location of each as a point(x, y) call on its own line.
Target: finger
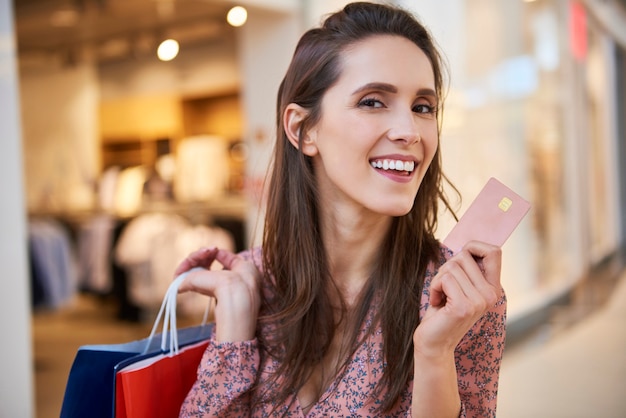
point(437, 288)
point(478, 295)
point(228, 259)
point(451, 290)
point(491, 257)
point(464, 271)
point(234, 262)
point(471, 275)
point(201, 282)
point(203, 257)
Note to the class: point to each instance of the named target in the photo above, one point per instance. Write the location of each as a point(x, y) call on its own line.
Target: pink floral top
point(230, 373)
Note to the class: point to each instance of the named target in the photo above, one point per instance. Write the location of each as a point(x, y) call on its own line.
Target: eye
point(424, 109)
point(371, 102)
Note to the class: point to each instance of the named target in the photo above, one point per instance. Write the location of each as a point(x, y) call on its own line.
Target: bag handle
point(168, 307)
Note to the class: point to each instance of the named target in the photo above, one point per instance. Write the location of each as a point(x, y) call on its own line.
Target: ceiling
point(68, 31)
point(108, 30)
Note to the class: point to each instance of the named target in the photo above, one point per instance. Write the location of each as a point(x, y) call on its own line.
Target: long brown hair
point(293, 254)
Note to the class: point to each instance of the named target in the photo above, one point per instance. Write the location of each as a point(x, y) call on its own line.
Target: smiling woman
point(381, 115)
point(351, 307)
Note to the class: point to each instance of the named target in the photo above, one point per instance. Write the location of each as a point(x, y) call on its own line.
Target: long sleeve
point(478, 359)
point(226, 374)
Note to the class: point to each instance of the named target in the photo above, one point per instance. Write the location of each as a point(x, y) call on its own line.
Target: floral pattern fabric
point(230, 374)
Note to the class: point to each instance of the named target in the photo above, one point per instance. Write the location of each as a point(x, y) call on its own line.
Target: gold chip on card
point(505, 204)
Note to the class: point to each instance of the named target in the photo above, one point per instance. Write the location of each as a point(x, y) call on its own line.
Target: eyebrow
point(390, 88)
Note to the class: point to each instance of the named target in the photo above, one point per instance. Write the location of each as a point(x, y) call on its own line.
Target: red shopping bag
point(156, 387)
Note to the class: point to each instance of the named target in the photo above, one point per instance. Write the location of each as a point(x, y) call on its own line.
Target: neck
point(352, 242)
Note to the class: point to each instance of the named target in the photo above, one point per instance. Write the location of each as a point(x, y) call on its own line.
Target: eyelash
point(429, 109)
point(371, 102)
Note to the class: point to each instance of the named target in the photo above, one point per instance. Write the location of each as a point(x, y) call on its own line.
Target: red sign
point(578, 30)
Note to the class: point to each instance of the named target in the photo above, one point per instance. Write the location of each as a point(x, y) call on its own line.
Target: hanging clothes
point(54, 273)
point(150, 248)
point(94, 247)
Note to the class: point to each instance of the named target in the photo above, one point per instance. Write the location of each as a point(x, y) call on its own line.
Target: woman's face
point(377, 133)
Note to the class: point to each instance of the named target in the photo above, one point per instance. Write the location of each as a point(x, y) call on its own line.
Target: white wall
point(16, 379)
point(265, 46)
point(60, 134)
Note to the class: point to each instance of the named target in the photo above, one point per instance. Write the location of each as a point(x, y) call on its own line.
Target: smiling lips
point(398, 166)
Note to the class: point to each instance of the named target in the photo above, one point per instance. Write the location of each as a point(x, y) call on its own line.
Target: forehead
point(386, 58)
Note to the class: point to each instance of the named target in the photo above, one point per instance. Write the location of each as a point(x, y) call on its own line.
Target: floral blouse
point(230, 373)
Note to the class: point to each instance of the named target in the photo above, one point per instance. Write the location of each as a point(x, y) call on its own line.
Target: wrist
point(435, 351)
point(433, 357)
point(435, 388)
point(234, 325)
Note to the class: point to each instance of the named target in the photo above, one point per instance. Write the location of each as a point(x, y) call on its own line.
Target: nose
point(404, 128)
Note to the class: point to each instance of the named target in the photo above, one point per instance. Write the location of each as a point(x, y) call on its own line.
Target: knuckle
point(464, 311)
point(491, 298)
point(465, 255)
point(481, 306)
point(496, 251)
point(446, 278)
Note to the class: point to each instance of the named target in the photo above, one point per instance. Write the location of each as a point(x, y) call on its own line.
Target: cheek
point(338, 143)
point(432, 149)
point(431, 143)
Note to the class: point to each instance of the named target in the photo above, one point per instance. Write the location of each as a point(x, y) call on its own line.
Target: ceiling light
point(237, 16)
point(167, 50)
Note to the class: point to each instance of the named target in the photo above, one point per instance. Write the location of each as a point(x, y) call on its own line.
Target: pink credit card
point(491, 218)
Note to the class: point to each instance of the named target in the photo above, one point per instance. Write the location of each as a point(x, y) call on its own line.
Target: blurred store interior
point(117, 163)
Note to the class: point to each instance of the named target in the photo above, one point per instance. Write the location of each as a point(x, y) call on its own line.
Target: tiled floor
point(574, 366)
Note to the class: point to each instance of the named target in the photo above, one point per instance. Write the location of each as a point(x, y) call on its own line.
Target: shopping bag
point(156, 386)
point(90, 388)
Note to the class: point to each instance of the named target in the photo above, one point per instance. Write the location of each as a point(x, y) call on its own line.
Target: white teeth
point(398, 165)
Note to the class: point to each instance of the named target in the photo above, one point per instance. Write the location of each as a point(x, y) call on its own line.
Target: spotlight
point(167, 50)
point(237, 16)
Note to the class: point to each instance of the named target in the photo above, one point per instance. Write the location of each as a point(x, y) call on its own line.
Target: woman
point(351, 307)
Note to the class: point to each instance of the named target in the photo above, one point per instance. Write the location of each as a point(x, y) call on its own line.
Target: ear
point(293, 118)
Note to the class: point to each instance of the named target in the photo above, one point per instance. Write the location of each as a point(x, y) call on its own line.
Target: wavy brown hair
point(293, 254)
